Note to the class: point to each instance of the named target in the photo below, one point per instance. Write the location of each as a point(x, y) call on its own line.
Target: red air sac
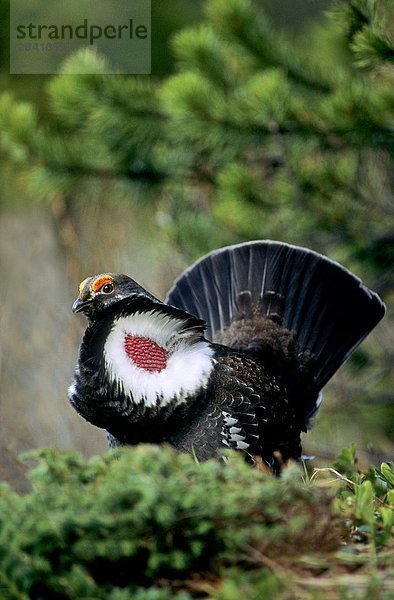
point(145, 354)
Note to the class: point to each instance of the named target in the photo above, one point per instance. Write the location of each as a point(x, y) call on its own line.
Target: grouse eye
point(108, 288)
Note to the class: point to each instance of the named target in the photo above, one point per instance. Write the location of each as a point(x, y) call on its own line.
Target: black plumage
point(280, 320)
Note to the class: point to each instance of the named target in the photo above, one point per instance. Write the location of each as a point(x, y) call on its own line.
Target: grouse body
point(236, 356)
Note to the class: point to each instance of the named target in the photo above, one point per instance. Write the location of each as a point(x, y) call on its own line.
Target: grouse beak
point(78, 305)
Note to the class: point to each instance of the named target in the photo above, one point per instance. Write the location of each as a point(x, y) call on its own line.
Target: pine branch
point(237, 22)
point(368, 25)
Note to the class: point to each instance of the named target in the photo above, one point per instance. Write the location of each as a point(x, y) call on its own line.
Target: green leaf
point(346, 460)
point(387, 470)
point(365, 506)
point(387, 515)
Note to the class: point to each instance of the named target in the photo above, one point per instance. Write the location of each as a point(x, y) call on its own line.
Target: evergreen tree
point(254, 137)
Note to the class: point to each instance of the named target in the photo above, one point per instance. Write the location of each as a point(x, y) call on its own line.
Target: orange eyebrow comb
point(100, 281)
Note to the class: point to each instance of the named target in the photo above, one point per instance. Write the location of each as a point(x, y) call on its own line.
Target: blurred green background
point(269, 120)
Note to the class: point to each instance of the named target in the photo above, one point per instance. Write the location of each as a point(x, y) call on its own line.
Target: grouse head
point(99, 294)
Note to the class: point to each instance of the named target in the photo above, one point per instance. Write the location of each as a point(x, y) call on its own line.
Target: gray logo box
point(43, 33)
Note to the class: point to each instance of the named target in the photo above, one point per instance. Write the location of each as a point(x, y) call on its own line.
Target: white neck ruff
point(189, 363)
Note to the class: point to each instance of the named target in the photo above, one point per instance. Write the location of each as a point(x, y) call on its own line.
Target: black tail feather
point(328, 307)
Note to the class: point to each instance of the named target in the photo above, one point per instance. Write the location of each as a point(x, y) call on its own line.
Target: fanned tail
point(328, 307)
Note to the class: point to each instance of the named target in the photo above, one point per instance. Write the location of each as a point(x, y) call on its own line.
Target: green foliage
point(346, 461)
point(367, 498)
point(150, 524)
point(309, 137)
point(368, 27)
